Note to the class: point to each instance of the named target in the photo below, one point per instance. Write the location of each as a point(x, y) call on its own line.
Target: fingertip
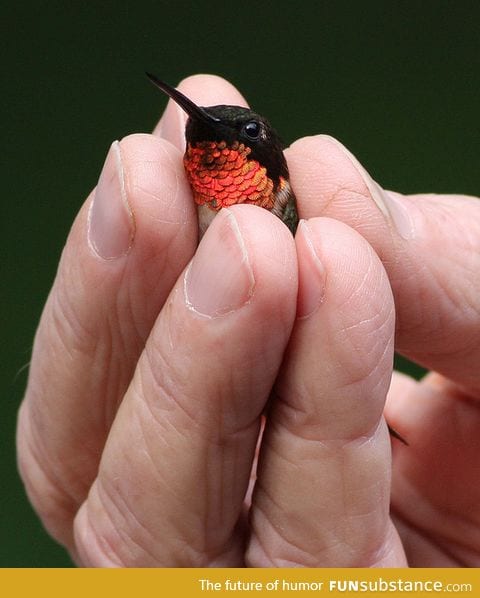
point(220, 279)
point(330, 181)
point(273, 248)
point(345, 254)
point(208, 90)
point(158, 191)
point(247, 243)
point(315, 148)
point(262, 256)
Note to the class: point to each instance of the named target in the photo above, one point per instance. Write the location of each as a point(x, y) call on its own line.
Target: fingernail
point(111, 225)
point(311, 273)
point(220, 279)
point(393, 210)
point(400, 213)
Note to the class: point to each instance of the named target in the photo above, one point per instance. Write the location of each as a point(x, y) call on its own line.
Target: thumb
point(429, 245)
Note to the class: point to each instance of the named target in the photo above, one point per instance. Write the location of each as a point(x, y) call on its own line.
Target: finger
point(204, 90)
point(429, 245)
point(436, 492)
point(323, 488)
point(130, 241)
point(176, 465)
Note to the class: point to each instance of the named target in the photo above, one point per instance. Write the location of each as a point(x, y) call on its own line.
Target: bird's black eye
point(252, 129)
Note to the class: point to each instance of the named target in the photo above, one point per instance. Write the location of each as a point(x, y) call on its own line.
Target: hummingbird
point(233, 155)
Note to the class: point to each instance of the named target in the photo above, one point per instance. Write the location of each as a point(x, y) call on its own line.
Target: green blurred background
point(397, 82)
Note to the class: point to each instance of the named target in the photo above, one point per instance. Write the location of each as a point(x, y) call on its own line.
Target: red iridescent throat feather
point(222, 175)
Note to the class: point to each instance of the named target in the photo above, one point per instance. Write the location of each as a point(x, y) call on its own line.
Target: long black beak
point(194, 111)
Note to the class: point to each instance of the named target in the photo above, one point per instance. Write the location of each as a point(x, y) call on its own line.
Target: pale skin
point(149, 377)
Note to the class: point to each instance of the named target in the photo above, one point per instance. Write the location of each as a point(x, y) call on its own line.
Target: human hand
point(149, 377)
